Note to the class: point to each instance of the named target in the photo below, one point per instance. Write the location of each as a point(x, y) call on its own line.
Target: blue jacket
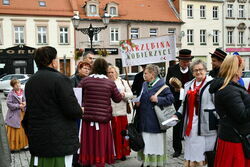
point(148, 119)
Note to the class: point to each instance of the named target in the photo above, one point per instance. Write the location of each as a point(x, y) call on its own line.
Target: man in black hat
point(217, 58)
point(182, 73)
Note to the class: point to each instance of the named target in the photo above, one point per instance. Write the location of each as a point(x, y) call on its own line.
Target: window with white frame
point(19, 34)
point(190, 36)
point(6, 2)
point(202, 11)
point(42, 35)
point(229, 10)
point(215, 36)
point(114, 35)
point(64, 35)
point(189, 11)
point(153, 32)
point(215, 12)
point(96, 38)
point(241, 37)
point(92, 9)
point(241, 11)
point(134, 33)
point(229, 37)
point(202, 36)
point(113, 11)
point(171, 30)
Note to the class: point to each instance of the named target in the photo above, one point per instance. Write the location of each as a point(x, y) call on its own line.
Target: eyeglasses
point(198, 70)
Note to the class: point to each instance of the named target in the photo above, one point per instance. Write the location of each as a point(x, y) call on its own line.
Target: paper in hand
point(171, 122)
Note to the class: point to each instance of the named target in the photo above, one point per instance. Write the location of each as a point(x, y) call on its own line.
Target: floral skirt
point(96, 144)
point(122, 149)
point(230, 154)
point(16, 137)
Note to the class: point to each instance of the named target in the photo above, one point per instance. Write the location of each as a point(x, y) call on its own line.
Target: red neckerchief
point(193, 102)
point(19, 93)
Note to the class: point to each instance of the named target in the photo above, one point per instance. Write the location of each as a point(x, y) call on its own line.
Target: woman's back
point(98, 92)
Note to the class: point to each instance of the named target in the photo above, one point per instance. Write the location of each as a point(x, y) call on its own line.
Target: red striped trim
point(219, 54)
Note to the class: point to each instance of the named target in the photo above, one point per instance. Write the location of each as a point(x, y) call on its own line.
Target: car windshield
point(7, 77)
point(246, 74)
point(130, 77)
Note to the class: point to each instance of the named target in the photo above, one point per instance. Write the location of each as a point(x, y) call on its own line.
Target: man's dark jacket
point(137, 84)
point(174, 71)
point(52, 110)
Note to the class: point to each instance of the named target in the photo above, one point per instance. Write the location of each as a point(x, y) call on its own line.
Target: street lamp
point(91, 31)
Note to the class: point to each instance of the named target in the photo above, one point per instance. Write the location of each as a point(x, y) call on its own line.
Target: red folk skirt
point(230, 154)
point(122, 149)
point(96, 145)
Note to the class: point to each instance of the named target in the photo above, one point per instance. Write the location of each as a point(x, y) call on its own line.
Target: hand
point(123, 94)
point(24, 103)
point(177, 89)
point(137, 104)
point(82, 109)
point(174, 116)
point(154, 99)
point(22, 106)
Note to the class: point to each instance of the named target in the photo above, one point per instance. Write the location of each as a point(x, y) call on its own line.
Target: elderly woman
point(232, 104)
point(96, 136)
point(119, 120)
point(155, 150)
point(83, 70)
point(198, 111)
point(52, 111)
point(16, 109)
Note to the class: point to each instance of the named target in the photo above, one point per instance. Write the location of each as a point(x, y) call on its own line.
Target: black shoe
point(176, 154)
point(123, 158)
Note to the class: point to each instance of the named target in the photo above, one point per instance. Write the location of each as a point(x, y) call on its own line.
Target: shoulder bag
point(164, 113)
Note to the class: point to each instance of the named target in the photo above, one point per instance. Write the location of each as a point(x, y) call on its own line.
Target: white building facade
point(237, 28)
point(202, 31)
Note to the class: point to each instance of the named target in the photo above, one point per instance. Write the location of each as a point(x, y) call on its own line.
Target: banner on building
point(148, 50)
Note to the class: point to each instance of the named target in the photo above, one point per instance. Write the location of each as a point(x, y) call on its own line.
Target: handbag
point(135, 139)
point(164, 113)
point(245, 140)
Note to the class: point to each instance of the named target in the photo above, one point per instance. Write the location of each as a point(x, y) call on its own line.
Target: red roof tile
point(31, 7)
point(137, 10)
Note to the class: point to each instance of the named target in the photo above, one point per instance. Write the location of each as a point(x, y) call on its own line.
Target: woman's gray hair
point(116, 69)
point(152, 68)
point(196, 62)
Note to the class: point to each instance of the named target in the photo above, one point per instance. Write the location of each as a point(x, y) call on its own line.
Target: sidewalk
point(22, 158)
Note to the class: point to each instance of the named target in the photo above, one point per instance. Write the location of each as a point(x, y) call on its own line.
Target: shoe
point(123, 158)
point(176, 154)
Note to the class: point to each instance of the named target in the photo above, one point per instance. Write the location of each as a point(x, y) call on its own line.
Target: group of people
point(54, 125)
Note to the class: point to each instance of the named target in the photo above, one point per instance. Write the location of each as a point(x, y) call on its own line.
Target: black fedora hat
point(219, 54)
point(185, 54)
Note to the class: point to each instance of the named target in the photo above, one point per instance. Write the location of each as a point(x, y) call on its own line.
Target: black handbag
point(136, 142)
point(245, 140)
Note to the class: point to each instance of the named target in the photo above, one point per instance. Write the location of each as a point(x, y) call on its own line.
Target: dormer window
point(92, 10)
point(113, 11)
point(42, 3)
point(6, 2)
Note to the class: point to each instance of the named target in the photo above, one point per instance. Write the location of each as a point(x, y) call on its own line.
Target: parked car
point(131, 77)
point(246, 78)
point(7, 90)
point(5, 81)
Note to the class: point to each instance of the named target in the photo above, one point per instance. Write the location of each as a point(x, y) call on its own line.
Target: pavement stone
point(22, 158)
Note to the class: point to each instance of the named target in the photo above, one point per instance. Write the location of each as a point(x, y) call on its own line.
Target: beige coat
point(119, 109)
